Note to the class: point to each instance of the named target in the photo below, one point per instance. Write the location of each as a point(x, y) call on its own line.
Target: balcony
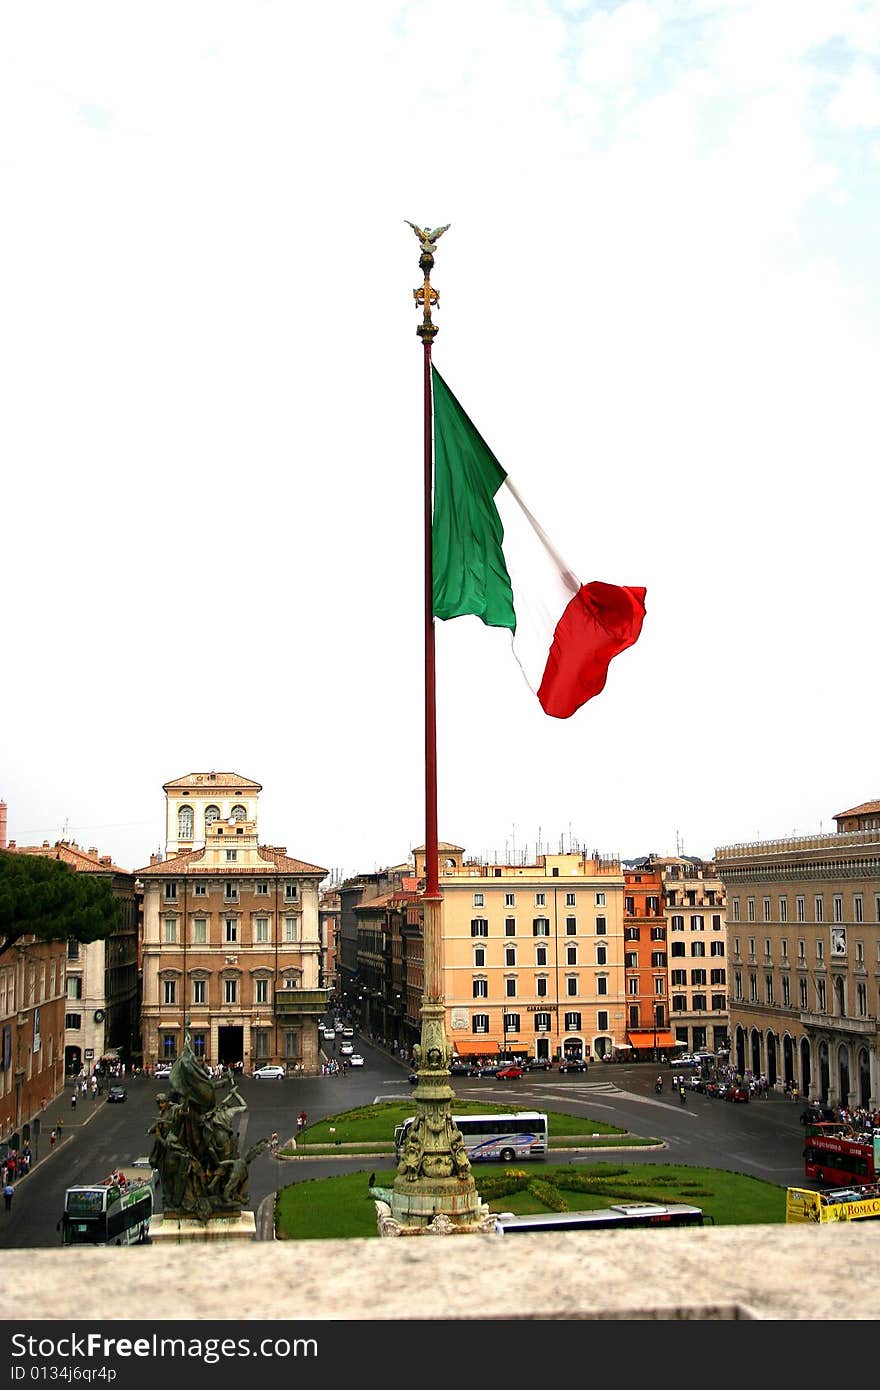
point(301, 1003)
point(839, 1023)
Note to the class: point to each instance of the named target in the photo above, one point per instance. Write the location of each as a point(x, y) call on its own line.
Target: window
point(72, 949)
point(601, 984)
point(510, 900)
point(540, 955)
point(169, 991)
point(719, 1001)
point(819, 908)
point(542, 1023)
point(602, 1020)
point(230, 991)
point(480, 989)
point(677, 922)
point(73, 1021)
point(185, 823)
point(261, 991)
point(231, 855)
point(678, 977)
point(658, 933)
point(677, 948)
point(571, 955)
point(540, 900)
point(198, 991)
point(261, 930)
point(858, 908)
point(480, 1023)
point(510, 926)
point(479, 926)
point(601, 926)
point(212, 814)
point(802, 951)
point(786, 992)
point(290, 893)
point(802, 992)
point(862, 999)
point(573, 1022)
point(698, 977)
point(479, 957)
point(718, 977)
point(262, 890)
point(698, 922)
point(629, 906)
point(653, 906)
point(510, 955)
point(735, 908)
point(231, 925)
point(751, 947)
point(767, 947)
point(837, 907)
point(631, 960)
point(659, 985)
point(698, 948)
point(511, 1023)
point(768, 989)
point(230, 891)
point(600, 900)
point(658, 959)
point(750, 909)
point(510, 987)
point(171, 892)
point(200, 890)
point(200, 931)
point(170, 925)
point(766, 908)
point(753, 987)
point(860, 952)
point(571, 926)
point(631, 933)
point(699, 1004)
point(820, 950)
point(799, 910)
point(74, 987)
point(238, 813)
point(571, 899)
point(169, 1047)
point(783, 909)
point(601, 955)
point(291, 929)
point(716, 948)
point(541, 986)
point(679, 1003)
point(632, 985)
point(478, 900)
point(541, 926)
point(260, 1041)
point(571, 985)
point(820, 995)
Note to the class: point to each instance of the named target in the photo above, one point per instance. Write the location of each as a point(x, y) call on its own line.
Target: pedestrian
point(73, 1101)
point(52, 1137)
point(8, 1194)
point(59, 1128)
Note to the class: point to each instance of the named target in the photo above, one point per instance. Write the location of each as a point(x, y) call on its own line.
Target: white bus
point(620, 1216)
point(522, 1134)
point(107, 1213)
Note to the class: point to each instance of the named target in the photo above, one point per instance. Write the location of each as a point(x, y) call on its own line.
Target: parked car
point(163, 1071)
point(116, 1093)
point(413, 1078)
point(572, 1064)
point(269, 1073)
point(538, 1064)
point(736, 1093)
point(511, 1073)
point(356, 1060)
point(462, 1068)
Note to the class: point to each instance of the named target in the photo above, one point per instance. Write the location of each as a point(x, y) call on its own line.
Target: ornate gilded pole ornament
point(424, 296)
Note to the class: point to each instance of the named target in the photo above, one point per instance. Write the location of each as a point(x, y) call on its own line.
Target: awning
point(642, 1038)
point(475, 1047)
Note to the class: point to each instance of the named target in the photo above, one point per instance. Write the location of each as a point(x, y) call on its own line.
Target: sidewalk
point(72, 1121)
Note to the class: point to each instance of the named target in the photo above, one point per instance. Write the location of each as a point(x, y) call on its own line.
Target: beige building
point(231, 940)
point(532, 954)
point(804, 939)
point(696, 932)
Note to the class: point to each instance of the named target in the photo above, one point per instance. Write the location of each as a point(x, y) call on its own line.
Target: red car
point(512, 1073)
point(736, 1093)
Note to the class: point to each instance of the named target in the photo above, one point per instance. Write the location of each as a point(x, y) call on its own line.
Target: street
point(762, 1138)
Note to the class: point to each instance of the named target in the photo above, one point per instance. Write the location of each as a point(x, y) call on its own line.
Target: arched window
point(185, 823)
point(238, 813)
point(212, 813)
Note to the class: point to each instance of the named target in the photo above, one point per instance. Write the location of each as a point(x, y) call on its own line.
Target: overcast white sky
point(659, 304)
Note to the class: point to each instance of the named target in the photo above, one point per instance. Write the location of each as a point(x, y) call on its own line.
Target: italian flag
point(492, 559)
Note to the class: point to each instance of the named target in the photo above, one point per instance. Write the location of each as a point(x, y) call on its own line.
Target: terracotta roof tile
point(73, 855)
point(191, 862)
point(867, 808)
point(212, 779)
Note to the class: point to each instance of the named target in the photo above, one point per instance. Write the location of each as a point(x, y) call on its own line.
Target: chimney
point(105, 859)
point(93, 851)
point(2, 824)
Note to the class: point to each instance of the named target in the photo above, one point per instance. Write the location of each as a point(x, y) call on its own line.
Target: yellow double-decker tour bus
point(860, 1203)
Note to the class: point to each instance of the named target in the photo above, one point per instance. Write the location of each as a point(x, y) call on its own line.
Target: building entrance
point(230, 1045)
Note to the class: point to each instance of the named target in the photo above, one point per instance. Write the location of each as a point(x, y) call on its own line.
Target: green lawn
point(331, 1208)
point(376, 1123)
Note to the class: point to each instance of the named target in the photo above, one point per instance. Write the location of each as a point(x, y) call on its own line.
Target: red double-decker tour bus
point(837, 1159)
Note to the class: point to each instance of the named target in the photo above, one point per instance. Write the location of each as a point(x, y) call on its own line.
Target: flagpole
point(434, 1188)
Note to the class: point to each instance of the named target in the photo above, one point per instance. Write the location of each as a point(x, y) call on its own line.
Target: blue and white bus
point(493, 1138)
point(620, 1216)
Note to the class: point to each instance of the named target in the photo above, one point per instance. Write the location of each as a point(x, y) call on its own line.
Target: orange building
point(645, 964)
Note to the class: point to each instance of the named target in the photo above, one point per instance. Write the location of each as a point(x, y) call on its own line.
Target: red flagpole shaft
point(432, 879)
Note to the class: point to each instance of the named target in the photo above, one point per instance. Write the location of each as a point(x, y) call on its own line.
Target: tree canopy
point(46, 898)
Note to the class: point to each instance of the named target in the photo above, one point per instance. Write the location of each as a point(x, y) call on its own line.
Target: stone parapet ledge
point(791, 1273)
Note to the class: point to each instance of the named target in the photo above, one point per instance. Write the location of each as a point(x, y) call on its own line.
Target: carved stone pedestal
point(185, 1230)
point(466, 1219)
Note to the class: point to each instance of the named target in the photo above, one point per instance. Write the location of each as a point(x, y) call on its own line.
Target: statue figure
point(195, 1142)
point(428, 238)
